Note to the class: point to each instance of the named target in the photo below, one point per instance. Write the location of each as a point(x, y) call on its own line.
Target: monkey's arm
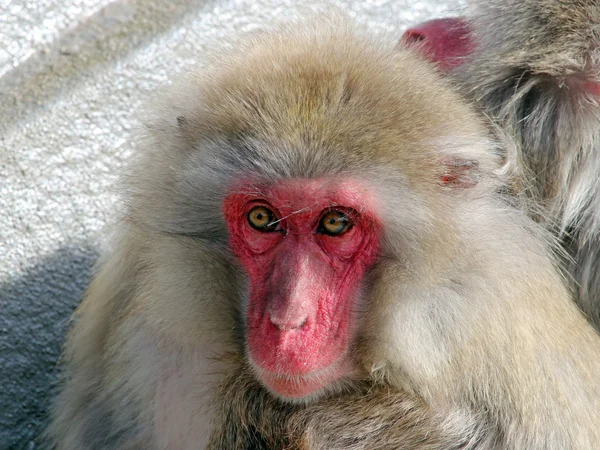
point(96, 407)
point(367, 416)
point(126, 386)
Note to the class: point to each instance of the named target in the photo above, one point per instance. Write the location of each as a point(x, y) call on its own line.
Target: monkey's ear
point(459, 172)
point(445, 42)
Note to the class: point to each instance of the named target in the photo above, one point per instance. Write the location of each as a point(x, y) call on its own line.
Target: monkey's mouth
point(304, 387)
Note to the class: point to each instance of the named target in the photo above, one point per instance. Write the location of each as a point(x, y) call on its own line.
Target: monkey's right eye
point(262, 219)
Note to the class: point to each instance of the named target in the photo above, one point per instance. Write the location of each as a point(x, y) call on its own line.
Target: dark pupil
point(259, 216)
point(332, 221)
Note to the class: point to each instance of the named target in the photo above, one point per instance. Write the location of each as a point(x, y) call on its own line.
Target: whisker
point(292, 213)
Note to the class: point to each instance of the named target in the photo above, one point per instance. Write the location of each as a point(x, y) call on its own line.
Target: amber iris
point(334, 223)
point(262, 219)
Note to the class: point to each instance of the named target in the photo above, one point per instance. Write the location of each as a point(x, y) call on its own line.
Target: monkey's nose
point(288, 323)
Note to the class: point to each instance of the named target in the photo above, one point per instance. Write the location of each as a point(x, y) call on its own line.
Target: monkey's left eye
point(262, 219)
point(334, 223)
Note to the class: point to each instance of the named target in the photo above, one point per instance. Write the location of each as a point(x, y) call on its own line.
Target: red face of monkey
point(305, 245)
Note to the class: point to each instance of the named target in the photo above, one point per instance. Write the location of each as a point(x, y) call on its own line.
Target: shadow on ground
point(34, 314)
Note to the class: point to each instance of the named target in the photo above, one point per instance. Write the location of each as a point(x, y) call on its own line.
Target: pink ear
point(592, 87)
point(443, 41)
point(459, 173)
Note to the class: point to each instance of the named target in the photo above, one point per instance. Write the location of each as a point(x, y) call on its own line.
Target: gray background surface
point(72, 75)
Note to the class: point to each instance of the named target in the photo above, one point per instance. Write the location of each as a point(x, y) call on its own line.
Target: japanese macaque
point(534, 67)
point(319, 251)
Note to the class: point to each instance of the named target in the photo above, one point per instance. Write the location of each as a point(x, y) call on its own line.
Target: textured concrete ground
point(72, 75)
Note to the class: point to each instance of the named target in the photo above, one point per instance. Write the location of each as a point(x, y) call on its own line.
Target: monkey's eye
point(334, 223)
point(262, 219)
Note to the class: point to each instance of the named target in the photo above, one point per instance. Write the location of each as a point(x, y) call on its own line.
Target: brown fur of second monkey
point(464, 314)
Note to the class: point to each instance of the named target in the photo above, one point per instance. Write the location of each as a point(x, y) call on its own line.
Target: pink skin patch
point(592, 87)
point(304, 283)
point(443, 41)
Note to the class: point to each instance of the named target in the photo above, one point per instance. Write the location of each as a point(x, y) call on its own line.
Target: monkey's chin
point(296, 389)
point(306, 387)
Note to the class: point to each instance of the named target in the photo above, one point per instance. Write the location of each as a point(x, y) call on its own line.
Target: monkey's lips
point(304, 386)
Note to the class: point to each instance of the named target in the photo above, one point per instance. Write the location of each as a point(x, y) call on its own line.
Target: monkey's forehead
point(323, 90)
